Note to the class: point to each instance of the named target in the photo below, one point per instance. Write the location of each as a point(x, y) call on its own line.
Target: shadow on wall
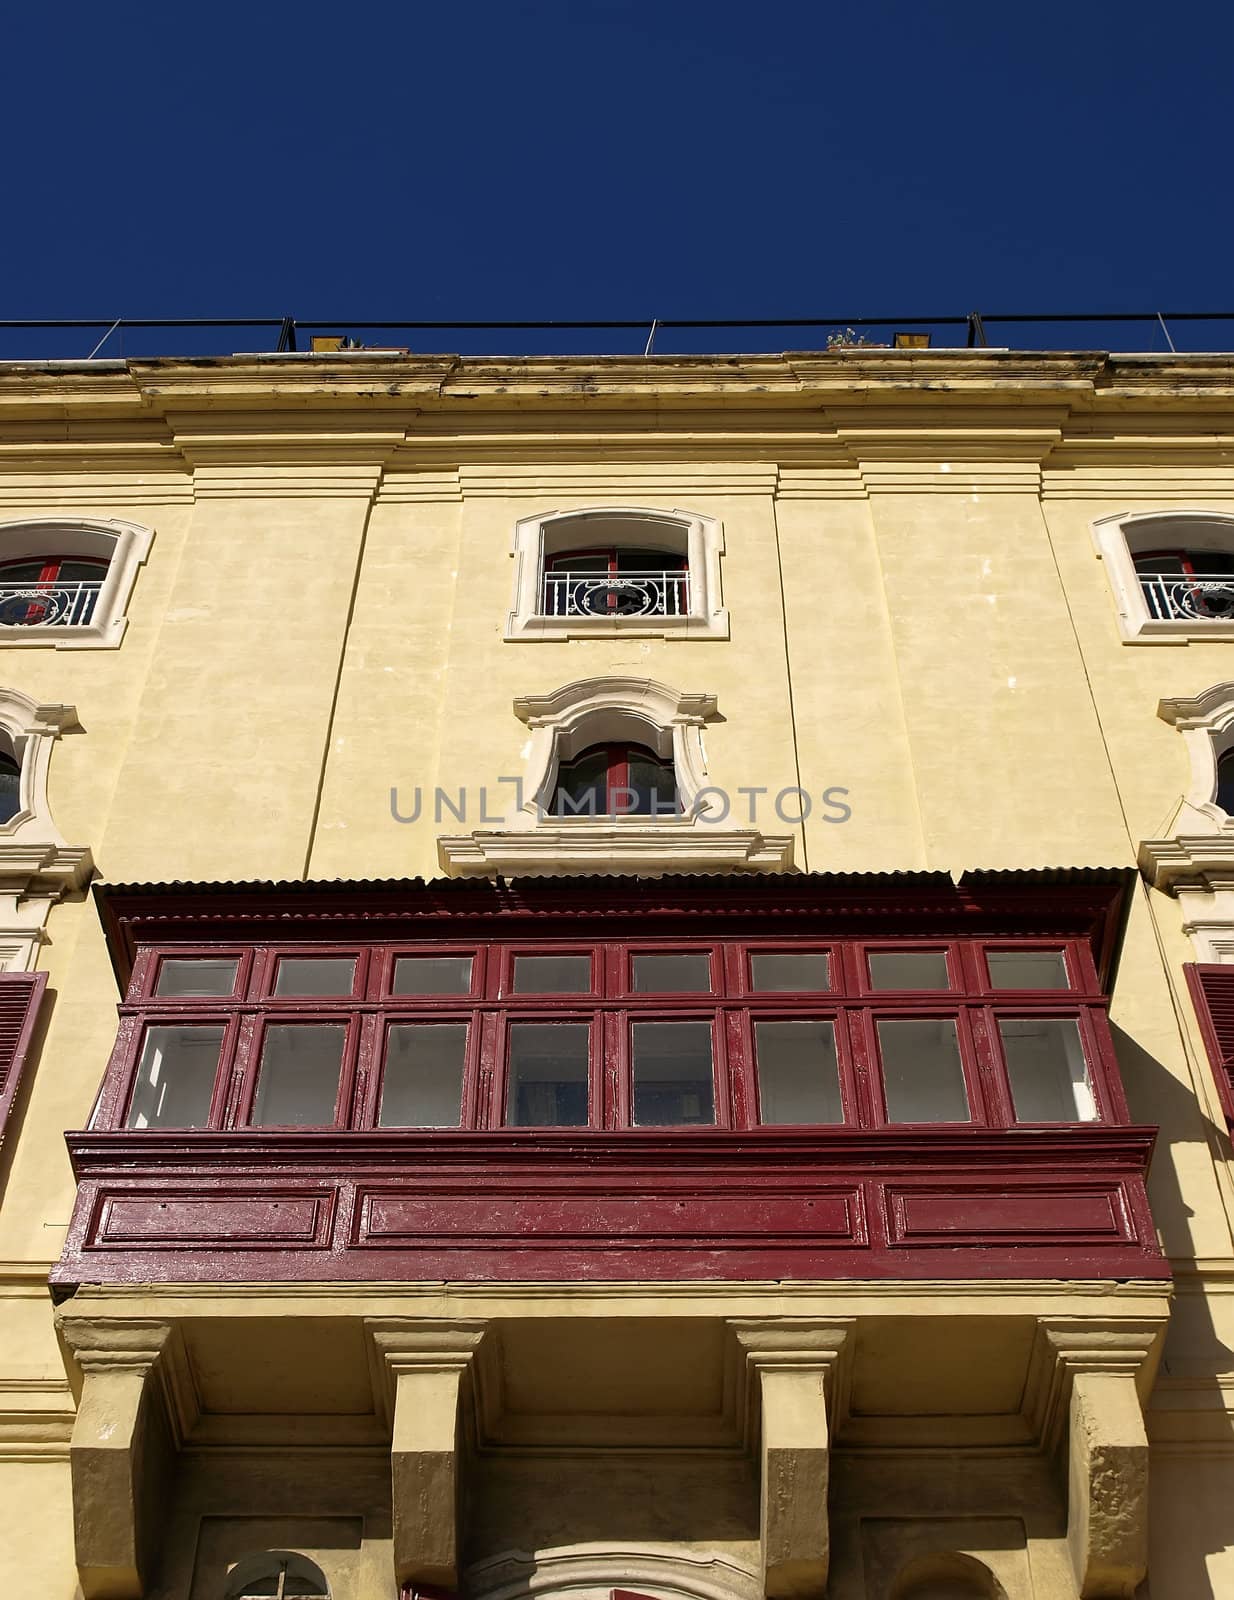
point(946, 1575)
point(1196, 1357)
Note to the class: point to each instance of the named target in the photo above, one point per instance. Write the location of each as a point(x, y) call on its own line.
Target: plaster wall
point(304, 638)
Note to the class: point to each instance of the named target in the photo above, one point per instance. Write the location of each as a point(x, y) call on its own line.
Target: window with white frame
point(617, 570)
point(1172, 573)
point(67, 582)
point(615, 779)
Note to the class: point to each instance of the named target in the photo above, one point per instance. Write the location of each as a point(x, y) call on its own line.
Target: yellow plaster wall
point(303, 639)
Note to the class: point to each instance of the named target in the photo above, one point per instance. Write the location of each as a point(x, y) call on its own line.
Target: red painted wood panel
point(646, 1221)
point(1060, 1213)
point(206, 1218)
point(945, 1203)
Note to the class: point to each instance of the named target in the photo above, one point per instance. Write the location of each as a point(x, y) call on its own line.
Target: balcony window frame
point(538, 540)
point(120, 545)
point(611, 1007)
point(247, 1068)
point(1122, 538)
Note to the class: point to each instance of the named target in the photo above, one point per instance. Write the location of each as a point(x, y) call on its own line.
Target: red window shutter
point(20, 995)
point(1212, 990)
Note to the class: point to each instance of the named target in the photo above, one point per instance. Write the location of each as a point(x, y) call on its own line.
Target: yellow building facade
point(298, 655)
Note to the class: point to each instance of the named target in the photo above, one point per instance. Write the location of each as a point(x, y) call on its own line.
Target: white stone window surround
point(1193, 858)
point(123, 545)
point(700, 539)
point(1124, 535)
point(37, 866)
point(610, 710)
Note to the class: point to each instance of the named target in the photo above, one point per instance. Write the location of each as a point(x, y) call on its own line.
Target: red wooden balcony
point(857, 1076)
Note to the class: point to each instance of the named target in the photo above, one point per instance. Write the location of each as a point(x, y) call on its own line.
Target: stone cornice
point(940, 380)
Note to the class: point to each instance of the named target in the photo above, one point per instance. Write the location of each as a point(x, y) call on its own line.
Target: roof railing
point(106, 338)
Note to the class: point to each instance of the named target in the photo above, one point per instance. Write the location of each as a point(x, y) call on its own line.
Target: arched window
point(66, 582)
point(52, 590)
point(617, 570)
point(1172, 572)
point(616, 780)
point(276, 1575)
point(1224, 797)
point(10, 785)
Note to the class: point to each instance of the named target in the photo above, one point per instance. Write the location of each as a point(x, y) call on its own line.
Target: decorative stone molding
point(1118, 538)
point(699, 539)
point(1088, 1380)
point(797, 1375)
point(37, 866)
point(598, 711)
point(123, 545)
point(421, 1372)
point(579, 1571)
point(1193, 858)
point(135, 1407)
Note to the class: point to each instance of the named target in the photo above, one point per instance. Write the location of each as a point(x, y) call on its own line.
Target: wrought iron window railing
point(616, 594)
point(49, 605)
point(1179, 597)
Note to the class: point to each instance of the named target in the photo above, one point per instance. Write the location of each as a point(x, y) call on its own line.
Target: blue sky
point(617, 158)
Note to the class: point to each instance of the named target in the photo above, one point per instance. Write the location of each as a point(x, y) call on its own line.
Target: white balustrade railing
point(1175, 597)
point(49, 605)
point(616, 594)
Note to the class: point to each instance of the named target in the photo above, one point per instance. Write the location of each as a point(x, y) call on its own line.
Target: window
point(50, 591)
point(615, 780)
point(619, 581)
point(10, 786)
point(1224, 797)
point(67, 584)
point(276, 1575)
point(1172, 573)
point(1187, 584)
point(617, 1033)
point(617, 570)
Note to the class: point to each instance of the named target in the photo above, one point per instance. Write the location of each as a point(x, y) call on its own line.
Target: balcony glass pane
point(908, 969)
point(432, 975)
point(798, 1072)
point(672, 1071)
point(314, 975)
point(779, 972)
point(686, 973)
point(1027, 969)
point(423, 1082)
point(1048, 1072)
point(175, 1077)
point(552, 975)
point(922, 1076)
point(297, 1083)
point(197, 975)
point(547, 1076)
